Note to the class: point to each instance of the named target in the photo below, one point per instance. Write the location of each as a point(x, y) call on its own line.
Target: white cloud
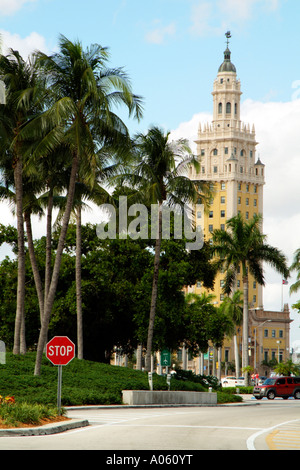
point(214, 17)
point(25, 46)
point(9, 7)
point(160, 32)
point(238, 10)
point(202, 14)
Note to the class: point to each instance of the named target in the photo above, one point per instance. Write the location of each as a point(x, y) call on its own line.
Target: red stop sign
point(60, 350)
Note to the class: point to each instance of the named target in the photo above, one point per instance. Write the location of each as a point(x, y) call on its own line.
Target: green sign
point(165, 357)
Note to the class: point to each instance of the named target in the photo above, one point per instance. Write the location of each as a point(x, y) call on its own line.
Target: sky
point(171, 50)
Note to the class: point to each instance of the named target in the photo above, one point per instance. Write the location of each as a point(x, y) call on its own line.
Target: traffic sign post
point(60, 351)
point(165, 358)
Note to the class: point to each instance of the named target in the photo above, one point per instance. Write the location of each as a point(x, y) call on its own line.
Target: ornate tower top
point(227, 65)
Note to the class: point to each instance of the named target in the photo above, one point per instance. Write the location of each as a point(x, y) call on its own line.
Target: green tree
point(287, 368)
point(205, 323)
point(295, 266)
point(158, 178)
point(233, 307)
point(82, 95)
point(23, 102)
point(243, 245)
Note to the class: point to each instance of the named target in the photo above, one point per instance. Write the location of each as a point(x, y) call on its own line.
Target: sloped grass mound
point(83, 382)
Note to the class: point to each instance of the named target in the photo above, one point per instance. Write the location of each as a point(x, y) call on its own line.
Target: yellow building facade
point(228, 161)
point(227, 151)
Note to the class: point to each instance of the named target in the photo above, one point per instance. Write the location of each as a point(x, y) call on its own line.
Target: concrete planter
point(162, 397)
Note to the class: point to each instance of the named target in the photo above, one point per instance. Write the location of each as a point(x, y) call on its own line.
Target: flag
point(284, 281)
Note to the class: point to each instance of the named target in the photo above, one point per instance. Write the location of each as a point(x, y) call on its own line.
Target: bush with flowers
point(7, 399)
point(14, 414)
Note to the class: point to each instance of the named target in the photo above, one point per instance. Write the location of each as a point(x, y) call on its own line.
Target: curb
point(55, 428)
point(45, 429)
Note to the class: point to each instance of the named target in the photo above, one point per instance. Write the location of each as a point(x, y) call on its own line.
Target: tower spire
point(228, 36)
point(227, 65)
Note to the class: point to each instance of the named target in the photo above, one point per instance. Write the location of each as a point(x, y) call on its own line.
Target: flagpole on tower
point(284, 282)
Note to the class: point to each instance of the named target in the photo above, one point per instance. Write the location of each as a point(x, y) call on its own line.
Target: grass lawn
point(83, 383)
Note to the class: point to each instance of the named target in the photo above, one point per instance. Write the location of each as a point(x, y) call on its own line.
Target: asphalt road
point(254, 425)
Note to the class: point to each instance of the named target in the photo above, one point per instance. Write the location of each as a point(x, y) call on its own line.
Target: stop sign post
point(60, 351)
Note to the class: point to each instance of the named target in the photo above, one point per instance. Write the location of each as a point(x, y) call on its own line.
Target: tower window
point(220, 108)
point(228, 108)
point(215, 151)
point(235, 108)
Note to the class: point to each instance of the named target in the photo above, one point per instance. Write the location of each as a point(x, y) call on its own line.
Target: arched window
point(220, 108)
point(228, 108)
point(235, 108)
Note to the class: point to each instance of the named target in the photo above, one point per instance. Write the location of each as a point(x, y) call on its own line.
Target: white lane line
point(251, 439)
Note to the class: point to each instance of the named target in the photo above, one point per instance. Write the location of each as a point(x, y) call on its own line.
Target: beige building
point(229, 161)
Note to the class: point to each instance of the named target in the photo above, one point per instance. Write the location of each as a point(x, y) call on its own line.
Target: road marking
point(285, 438)
point(271, 434)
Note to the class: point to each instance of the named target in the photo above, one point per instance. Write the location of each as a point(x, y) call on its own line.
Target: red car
point(284, 387)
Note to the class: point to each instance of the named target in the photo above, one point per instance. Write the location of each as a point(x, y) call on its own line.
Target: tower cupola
point(227, 65)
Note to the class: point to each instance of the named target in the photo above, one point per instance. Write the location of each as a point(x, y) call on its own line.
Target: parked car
point(232, 381)
point(284, 387)
point(228, 381)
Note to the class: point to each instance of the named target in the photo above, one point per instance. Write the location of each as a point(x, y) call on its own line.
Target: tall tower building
point(227, 153)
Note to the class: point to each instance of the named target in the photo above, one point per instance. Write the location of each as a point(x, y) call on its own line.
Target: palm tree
point(295, 266)
point(23, 92)
point(97, 195)
point(158, 178)
point(82, 95)
point(233, 307)
point(243, 244)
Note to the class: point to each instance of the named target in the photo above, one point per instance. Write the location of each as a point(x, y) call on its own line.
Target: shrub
point(25, 413)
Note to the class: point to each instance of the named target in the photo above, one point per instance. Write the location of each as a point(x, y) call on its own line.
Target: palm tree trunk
point(245, 330)
point(34, 265)
point(78, 286)
point(55, 274)
point(21, 261)
point(236, 357)
point(154, 291)
point(219, 364)
point(48, 244)
point(139, 352)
